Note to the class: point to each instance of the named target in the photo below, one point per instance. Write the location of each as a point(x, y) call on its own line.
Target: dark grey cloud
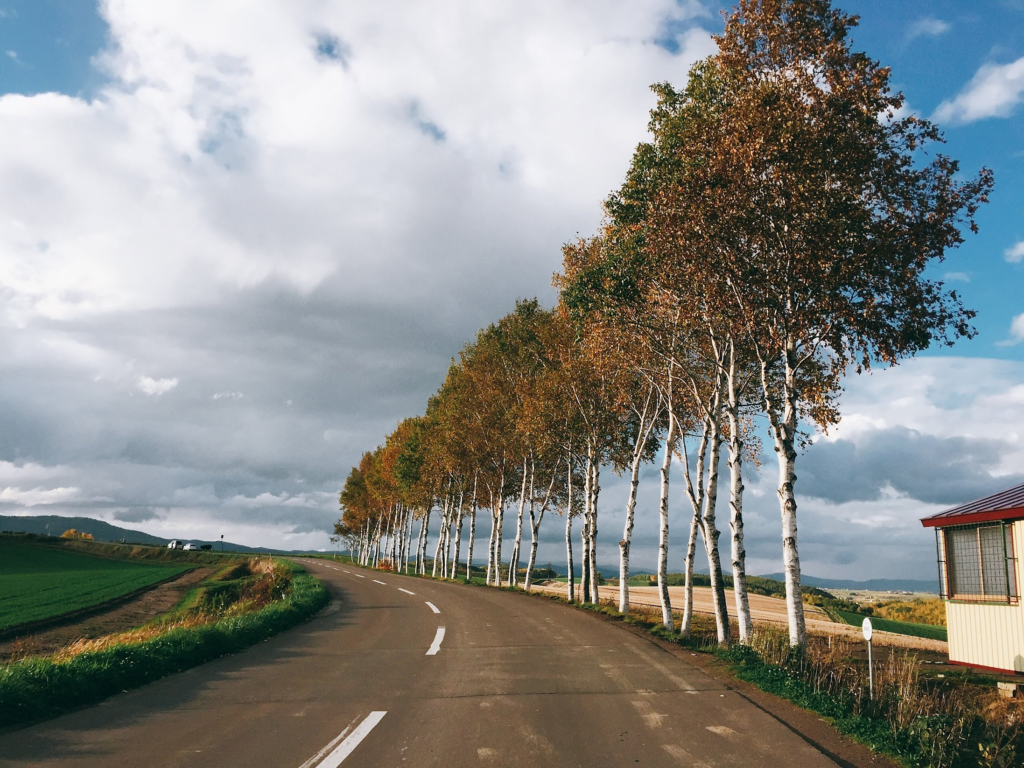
point(134, 515)
point(935, 469)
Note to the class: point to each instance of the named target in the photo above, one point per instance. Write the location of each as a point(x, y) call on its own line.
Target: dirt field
point(131, 613)
point(765, 609)
point(866, 597)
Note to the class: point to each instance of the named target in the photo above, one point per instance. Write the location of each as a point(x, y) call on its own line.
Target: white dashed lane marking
point(375, 581)
point(406, 591)
point(436, 645)
point(433, 607)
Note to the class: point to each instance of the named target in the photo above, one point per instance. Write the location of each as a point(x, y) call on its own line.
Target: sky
point(240, 241)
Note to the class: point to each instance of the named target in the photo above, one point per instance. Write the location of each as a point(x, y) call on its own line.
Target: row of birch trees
point(777, 230)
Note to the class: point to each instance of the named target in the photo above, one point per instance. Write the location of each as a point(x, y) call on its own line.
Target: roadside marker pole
point(866, 629)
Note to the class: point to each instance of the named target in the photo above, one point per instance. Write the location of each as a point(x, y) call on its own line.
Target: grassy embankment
point(917, 618)
point(899, 627)
point(248, 601)
point(41, 580)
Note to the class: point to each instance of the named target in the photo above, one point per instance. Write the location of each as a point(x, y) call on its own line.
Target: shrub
point(74, 533)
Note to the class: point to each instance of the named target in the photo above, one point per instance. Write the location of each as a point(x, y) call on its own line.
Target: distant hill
point(55, 525)
point(880, 585)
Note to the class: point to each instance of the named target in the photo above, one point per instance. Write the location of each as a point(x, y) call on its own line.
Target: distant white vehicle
point(175, 545)
point(189, 547)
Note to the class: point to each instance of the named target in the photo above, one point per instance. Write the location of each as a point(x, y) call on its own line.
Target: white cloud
point(226, 147)
point(994, 91)
point(35, 496)
point(1015, 254)
point(927, 26)
point(312, 500)
point(1016, 332)
point(941, 397)
point(228, 396)
point(957, 277)
point(152, 386)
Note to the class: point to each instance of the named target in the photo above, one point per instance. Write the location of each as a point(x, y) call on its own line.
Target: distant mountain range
point(879, 585)
point(55, 525)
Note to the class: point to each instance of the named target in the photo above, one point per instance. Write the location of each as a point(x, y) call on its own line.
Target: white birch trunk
point(666, 465)
point(535, 521)
point(409, 521)
point(472, 533)
point(627, 532)
point(513, 565)
point(739, 553)
point(711, 535)
point(570, 582)
point(499, 537)
point(458, 540)
point(696, 496)
point(691, 551)
point(440, 538)
point(784, 435)
point(419, 545)
point(491, 543)
point(534, 541)
point(595, 578)
point(585, 585)
point(426, 540)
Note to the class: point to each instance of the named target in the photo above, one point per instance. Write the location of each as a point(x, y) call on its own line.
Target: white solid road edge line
point(436, 645)
point(433, 607)
point(406, 591)
point(353, 740)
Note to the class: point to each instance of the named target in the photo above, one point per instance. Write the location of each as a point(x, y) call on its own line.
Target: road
point(374, 681)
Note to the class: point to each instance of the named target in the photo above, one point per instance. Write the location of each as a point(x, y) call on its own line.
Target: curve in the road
point(519, 682)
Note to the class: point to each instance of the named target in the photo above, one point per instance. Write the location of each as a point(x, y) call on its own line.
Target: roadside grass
point(224, 616)
point(42, 582)
point(899, 627)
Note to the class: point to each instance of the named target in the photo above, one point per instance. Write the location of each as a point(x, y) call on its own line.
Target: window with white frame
point(977, 563)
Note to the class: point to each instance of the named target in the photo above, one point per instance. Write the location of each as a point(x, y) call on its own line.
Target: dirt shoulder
point(117, 618)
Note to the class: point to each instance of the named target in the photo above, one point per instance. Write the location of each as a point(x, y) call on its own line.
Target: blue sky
point(230, 261)
point(52, 42)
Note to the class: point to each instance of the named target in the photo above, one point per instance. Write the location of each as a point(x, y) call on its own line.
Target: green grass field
point(898, 627)
point(41, 582)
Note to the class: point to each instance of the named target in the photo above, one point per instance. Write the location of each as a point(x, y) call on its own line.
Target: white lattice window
point(977, 563)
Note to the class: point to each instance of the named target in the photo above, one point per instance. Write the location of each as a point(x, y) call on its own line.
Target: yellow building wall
point(990, 634)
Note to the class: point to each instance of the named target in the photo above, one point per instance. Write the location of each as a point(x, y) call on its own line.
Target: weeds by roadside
point(948, 722)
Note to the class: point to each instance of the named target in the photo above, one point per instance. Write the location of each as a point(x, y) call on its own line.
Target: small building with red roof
point(979, 577)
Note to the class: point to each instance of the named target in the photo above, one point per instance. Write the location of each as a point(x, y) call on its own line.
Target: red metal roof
point(1005, 505)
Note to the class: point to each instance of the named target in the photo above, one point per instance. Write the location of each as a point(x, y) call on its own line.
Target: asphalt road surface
point(399, 670)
